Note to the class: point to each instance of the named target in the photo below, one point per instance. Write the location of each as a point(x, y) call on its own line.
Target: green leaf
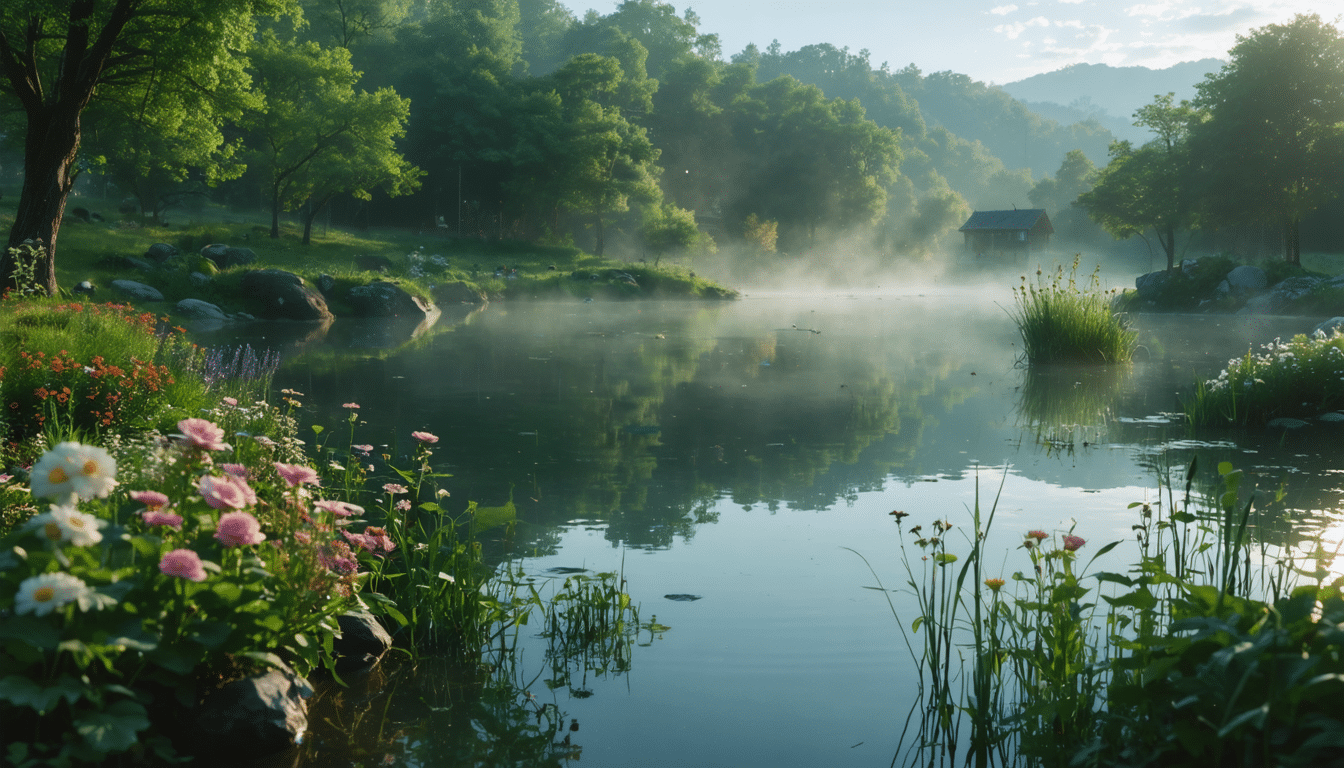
point(211, 634)
point(918, 622)
point(491, 517)
point(1257, 715)
point(31, 630)
point(1139, 598)
point(266, 657)
point(23, 692)
point(115, 729)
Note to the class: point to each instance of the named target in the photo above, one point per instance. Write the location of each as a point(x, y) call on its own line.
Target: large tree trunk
point(313, 210)
point(52, 141)
point(275, 211)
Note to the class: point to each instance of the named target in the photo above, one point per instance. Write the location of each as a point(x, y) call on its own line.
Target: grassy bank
point(431, 264)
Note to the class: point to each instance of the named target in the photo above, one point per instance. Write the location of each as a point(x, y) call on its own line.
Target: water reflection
point(730, 451)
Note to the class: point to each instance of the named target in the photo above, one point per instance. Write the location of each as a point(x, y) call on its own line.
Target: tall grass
point(1208, 650)
point(1059, 322)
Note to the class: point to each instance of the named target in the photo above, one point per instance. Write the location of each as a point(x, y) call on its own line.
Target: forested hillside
point(631, 133)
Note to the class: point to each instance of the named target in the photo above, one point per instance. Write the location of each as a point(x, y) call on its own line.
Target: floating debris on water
point(682, 598)
point(1332, 416)
point(566, 569)
point(1286, 423)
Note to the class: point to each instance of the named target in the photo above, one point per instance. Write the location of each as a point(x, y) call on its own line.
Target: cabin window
point(1022, 236)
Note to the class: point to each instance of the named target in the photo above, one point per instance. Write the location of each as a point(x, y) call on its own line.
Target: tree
point(1149, 187)
point(58, 56)
point(1277, 107)
point(344, 23)
point(317, 135)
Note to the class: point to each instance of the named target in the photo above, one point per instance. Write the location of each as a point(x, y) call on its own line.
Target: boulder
point(373, 263)
point(1280, 297)
point(225, 256)
point(80, 213)
point(253, 717)
point(1329, 328)
point(281, 295)
point(456, 293)
point(384, 299)
point(195, 309)
point(128, 206)
point(85, 288)
point(140, 265)
point(136, 291)
point(1246, 278)
point(199, 279)
point(325, 283)
point(362, 643)
point(160, 253)
point(1150, 285)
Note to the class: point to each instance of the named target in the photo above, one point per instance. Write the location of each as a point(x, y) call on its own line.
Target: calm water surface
point(738, 453)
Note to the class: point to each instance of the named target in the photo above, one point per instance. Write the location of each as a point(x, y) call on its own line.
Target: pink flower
point(153, 500)
point(303, 537)
point(229, 401)
point(1072, 543)
point(425, 437)
point(394, 488)
point(297, 474)
point(1038, 535)
point(404, 505)
point(182, 563)
point(364, 449)
point(338, 508)
point(154, 517)
point(237, 470)
point(264, 441)
point(239, 529)
point(226, 492)
point(350, 405)
point(202, 434)
point(336, 556)
point(373, 540)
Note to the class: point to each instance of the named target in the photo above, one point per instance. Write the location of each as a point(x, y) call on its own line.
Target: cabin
point(1007, 233)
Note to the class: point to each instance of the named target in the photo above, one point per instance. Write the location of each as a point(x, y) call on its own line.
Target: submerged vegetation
point(1059, 322)
point(1211, 649)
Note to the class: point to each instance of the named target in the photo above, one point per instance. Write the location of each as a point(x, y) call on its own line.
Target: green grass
point(1062, 323)
point(422, 263)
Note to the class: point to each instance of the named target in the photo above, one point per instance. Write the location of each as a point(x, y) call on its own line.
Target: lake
point(746, 454)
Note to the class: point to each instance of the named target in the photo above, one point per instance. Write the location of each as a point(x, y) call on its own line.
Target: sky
point(995, 41)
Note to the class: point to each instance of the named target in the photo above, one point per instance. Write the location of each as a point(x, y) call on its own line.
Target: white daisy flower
point(40, 595)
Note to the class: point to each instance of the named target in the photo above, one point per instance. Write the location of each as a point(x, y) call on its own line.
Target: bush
point(1302, 378)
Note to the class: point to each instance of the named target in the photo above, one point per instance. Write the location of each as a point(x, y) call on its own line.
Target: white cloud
point(1003, 10)
point(1014, 31)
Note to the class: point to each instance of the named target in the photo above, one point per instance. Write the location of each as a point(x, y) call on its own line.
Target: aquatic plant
point(1298, 379)
point(1060, 322)
point(1195, 656)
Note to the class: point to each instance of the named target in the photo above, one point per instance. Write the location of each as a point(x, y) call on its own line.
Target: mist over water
point(733, 451)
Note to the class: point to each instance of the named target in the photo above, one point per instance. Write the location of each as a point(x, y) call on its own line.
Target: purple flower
point(182, 563)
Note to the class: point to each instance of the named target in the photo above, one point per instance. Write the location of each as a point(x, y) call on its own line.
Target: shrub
point(1062, 323)
point(1302, 378)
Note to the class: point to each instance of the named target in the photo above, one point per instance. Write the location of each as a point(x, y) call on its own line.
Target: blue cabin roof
point(1008, 221)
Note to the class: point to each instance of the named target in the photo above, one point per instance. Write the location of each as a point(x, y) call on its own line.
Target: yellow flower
point(994, 584)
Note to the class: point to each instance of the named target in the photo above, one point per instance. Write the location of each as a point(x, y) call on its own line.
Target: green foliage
point(1191, 657)
point(1295, 379)
point(113, 614)
point(1060, 322)
point(1276, 107)
point(86, 369)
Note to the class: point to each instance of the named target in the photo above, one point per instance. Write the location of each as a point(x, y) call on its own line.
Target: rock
point(281, 295)
point(196, 309)
point(85, 288)
point(1329, 328)
point(325, 283)
point(456, 293)
point(80, 213)
point(1150, 285)
point(131, 262)
point(136, 291)
point(1332, 416)
point(128, 206)
point(373, 263)
point(199, 279)
point(1246, 278)
point(1280, 297)
point(1189, 266)
point(362, 643)
point(161, 252)
point(225, 256)
point(384, 299)
point(253, 717)
point(1286, 423)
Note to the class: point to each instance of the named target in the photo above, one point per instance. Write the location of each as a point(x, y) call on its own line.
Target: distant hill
point(1117, 91)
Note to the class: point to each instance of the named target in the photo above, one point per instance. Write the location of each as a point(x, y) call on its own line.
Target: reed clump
point(1060, 322)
